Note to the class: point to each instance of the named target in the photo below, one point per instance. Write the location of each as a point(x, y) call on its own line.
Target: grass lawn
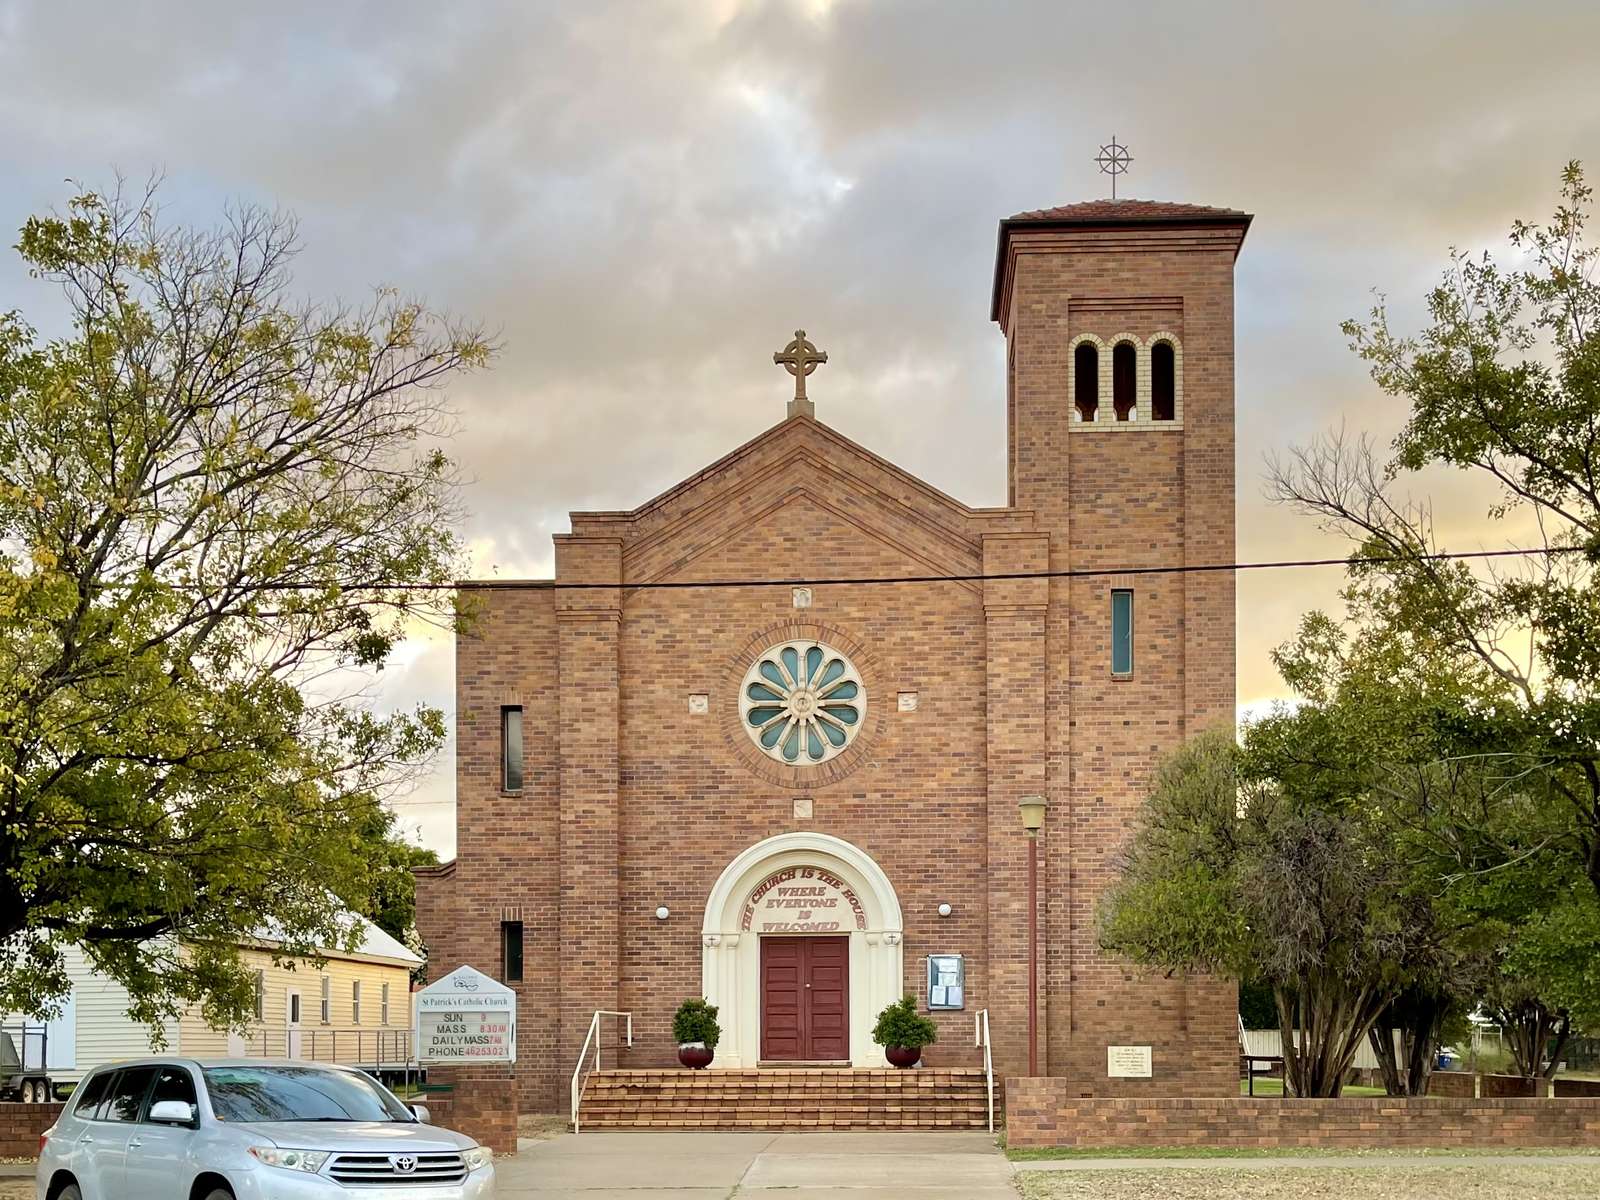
point(1274, 1087)
point(1052, 1153)
point(1548, 1181)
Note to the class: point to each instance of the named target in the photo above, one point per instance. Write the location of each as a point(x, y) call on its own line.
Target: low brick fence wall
point(1577, 1087)
point(482, 1104)
point(21, 1125)
point(1459, 1085)
point(1043, 1112)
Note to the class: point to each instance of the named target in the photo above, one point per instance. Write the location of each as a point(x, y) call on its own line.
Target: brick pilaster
point(588, 625)
point(1014, 624)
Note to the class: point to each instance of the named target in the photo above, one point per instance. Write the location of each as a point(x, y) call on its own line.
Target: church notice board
point(466, 1017)
point(1128, 1062)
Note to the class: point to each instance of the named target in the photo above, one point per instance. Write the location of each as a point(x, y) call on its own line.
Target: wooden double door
point(805, 999)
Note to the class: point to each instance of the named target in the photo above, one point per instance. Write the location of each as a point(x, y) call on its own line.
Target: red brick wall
point(1115, 497)
point(1577, 1087)
point(1460, 1084)
point(483, 1104)
point(1042, 1112)
point(21, 1125)
point(631, 802)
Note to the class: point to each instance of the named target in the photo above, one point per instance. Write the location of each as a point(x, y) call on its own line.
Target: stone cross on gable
point(800, 358)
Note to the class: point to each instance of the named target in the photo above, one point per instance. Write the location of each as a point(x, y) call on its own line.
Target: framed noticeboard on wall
point(947, 982)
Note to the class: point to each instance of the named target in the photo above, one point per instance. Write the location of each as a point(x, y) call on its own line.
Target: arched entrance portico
point(867, 913)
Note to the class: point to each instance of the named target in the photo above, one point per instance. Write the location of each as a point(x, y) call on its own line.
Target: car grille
point(358, 1169)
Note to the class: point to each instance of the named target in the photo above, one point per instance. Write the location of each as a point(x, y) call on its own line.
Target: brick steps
point(933, 1098)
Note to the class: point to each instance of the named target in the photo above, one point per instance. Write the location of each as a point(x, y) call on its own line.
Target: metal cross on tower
point(1114, 160)
point(800, 358)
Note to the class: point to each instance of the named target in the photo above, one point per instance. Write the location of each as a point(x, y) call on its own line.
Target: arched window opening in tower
point(1163, 382)
point(1086, 380)
point(1124, 380)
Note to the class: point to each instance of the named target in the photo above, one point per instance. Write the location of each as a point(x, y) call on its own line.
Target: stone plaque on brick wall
point(1128, 1062)
point(466, 1017)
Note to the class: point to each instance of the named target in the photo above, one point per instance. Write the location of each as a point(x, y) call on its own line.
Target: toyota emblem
point(403, 1164)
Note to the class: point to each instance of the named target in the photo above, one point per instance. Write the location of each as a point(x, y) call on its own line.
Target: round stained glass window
point(802, 703)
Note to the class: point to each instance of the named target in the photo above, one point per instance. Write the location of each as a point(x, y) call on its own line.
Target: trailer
point(24, 1073)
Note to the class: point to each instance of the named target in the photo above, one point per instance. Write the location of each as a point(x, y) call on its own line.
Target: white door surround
point(730, 961)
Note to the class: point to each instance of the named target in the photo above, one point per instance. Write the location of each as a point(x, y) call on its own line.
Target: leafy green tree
point(1504, 382)
point(1241, 869)
point(213, 499)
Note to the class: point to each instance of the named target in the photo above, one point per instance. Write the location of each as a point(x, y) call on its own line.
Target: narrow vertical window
point(511, 748)
point(1086, 380)
point(511, 951)
point(355, 1002)
point(383, 1005)
point(1124, 379)
point(261, 995)
point(1163, 382)
point(327, 1001)
point(1122, 631)
point(294, 1008)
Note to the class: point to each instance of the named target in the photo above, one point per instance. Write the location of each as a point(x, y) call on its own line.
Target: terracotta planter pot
point(696, 1055)
point(903, 1056)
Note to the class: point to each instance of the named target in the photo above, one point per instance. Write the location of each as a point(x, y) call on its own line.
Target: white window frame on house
point(383, 1005)
point(327, 1000)
point(261, 995)
point(355, 1002)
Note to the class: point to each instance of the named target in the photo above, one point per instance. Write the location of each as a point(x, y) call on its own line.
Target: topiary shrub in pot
point(695, 1029)
point(903, 1032)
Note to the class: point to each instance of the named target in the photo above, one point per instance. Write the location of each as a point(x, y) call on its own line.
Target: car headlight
point(290, 1160)
point(478, 1156)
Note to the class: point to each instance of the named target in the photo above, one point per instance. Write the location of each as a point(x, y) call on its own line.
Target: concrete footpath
point(783, 1166)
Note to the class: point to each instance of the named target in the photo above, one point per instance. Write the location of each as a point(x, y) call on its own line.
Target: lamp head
point(1032, 810)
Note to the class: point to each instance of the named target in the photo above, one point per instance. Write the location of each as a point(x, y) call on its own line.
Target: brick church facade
point(804, 779)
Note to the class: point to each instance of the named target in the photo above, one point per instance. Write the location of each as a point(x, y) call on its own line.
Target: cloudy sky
point(644, 199)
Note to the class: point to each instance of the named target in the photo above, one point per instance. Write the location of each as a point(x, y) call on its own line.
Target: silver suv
point(251, 1129)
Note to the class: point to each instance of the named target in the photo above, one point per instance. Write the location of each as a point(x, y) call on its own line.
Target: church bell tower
point(1118, 319)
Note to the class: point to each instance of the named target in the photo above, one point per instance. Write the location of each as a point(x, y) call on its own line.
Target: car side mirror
point(420, 1112)
point(172, 1112)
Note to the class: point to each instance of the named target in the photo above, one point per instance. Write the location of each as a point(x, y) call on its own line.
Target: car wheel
point(219, 1194)
point(70, 1192)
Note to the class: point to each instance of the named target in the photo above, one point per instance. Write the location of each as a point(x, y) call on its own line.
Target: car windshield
point(298, 1094)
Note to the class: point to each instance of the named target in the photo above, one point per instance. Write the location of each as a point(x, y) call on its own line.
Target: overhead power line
point(476, 585)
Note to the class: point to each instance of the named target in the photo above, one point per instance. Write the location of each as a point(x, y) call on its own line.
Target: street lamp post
point(1032, 810)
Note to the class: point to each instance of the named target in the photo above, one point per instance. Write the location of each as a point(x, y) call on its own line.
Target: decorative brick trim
point(802, 779)
point(1142, 416)
point(1146, 374)
point(1103, 366)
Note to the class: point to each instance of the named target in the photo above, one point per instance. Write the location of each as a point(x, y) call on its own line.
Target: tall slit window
point(355, 1002)
point(1122, 631)
point(327, 1001)
point(1086, 380)
point(1124, 379)
point(511, 748)
point(510, 951)
point(260, 1007)
point(1163, 382)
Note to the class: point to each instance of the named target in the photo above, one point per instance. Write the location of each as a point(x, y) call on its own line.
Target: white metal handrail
point(980, 1037)
point(593, 1036)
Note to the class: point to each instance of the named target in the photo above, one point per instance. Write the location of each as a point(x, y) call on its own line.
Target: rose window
point(802, 703)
